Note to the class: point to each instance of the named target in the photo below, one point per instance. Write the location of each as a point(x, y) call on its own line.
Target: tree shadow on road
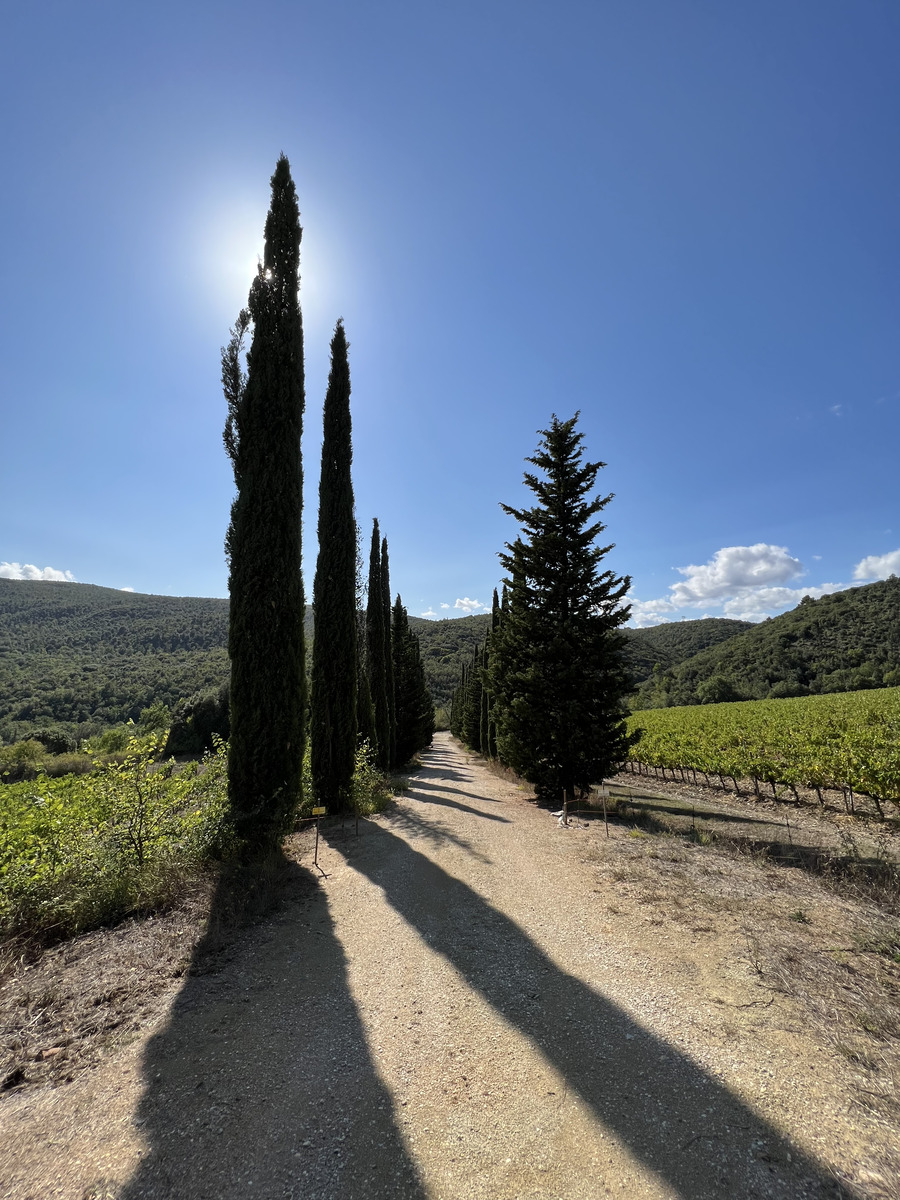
point(674, 1117)
point(261, 1083)
point(432, 831)
point(438, 795)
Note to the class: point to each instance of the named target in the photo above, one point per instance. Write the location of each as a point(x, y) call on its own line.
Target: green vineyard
point(849, 742)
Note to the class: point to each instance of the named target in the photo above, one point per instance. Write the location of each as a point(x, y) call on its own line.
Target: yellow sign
point(318, 812)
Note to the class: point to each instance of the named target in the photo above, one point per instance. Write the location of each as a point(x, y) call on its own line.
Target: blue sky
point(678, 217)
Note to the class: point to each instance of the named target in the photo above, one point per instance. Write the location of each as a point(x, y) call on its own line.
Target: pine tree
point(557, 671)
point(334, 660)
point(388, 655)
point(263, 544)
point(376, 654)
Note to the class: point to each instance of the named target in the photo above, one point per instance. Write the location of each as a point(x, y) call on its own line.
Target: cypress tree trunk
point(388, 653)
point(263, 543)
point(334, 663)
point(377, 654)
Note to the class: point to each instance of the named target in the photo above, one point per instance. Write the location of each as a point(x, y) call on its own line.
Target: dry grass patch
point(827, 944)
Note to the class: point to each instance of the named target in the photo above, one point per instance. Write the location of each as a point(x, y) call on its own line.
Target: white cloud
point(878, 566)
point(445, 606)
point(429, 613)
point(126, 589)
point(747, 583)
point(836, 410)
point(13, 570)
point(469, 606)
point(753, 606)
point(732, 571)
point(649, 612)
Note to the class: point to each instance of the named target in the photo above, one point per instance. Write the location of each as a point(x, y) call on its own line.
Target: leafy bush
point(77, 852)
point(111, 741)
point(28, 760)
point(199, 721)
point(371, 790)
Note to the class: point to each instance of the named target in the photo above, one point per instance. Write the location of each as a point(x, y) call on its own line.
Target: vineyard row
point(849, 742)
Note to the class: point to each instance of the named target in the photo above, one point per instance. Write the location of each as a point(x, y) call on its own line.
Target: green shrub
point(80, 851)
point(371, 790)
point(111, 741)
point(199, 721)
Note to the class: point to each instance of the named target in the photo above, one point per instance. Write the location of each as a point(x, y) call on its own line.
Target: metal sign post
point(318, 813)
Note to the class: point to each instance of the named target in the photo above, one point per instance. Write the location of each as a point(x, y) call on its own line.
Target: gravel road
point(457, 1010)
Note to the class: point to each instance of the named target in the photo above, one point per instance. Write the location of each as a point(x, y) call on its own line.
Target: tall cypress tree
point(491, 748)
point(557, 669)
point(334, 660)
point(263, 545)
point(376, 655)
point(365, 710)
point(388, 655)
point(414, 706)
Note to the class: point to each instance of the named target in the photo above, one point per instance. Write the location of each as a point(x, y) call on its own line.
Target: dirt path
point(476, 1002)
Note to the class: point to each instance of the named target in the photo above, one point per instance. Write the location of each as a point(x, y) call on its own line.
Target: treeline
point(472, 715)
point(446, 646)
point(77, 659)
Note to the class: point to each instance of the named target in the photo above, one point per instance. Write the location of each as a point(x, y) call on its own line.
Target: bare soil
point(474, 1002)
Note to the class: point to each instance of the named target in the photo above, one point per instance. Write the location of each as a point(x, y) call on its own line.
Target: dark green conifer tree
point(334, 659)
point(263, 547)
point(365, 710)
point(414, 706)
point(388, 654)
point(471, 731)
point(557, 669)
point(458, 704)
point(491, 747)
point(376, 655)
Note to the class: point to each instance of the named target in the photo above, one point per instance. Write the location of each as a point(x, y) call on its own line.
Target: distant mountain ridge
point(80, 658)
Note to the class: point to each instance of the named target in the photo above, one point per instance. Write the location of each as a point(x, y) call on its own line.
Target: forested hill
point(665, 646)
point(80, 657)
point(840, 643)
point(447, 644)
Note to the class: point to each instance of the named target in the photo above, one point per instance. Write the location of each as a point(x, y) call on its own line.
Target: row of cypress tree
point(472, 717)
point(395, 709)
point(370, 686)
point(546, 691)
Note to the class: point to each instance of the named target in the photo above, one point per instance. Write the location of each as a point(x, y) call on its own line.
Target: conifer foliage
point(556, 670)
point(414, 707)
point(385, 576)
point(333, 719)
point(262, 439)
point(378, 635)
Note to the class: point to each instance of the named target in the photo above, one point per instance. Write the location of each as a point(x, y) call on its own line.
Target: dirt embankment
point(476, 1002)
